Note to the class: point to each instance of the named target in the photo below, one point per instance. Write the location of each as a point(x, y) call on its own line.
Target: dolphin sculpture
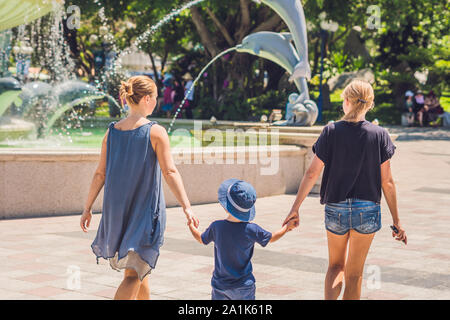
point(277, 48)
point(10, 89)
point(299, 114)
point(31, 94)
point(44, 103)
point(9, 83)
point(291, 11)
point(69, 94)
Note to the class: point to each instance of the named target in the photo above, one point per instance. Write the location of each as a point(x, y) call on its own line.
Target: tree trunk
point(275, 72)
point(316, 57)
point(245, 21)
point(155, 71)
point(221, 27)
point(205, 36)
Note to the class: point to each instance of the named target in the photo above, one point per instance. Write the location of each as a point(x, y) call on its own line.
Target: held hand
point(191, 225)
point(401, 235)
point(191, 217)
point(291, 224)
point(85, 220)
point(194, 230)
point(294, 217)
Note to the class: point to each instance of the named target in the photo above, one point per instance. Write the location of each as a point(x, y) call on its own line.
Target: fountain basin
point(56, 182)
point(12, 128)
point(206, 124)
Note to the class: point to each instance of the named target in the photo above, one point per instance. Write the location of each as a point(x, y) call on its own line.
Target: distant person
point(419, 100)
point(109, 56)
point(433, 104)
point(234, 239)
point(409, 108)
point(23, 66)
point(189, 93)
point(355, 156)
point(167, 105)
point(179, 94)
point(431, 109)
point(134, 157)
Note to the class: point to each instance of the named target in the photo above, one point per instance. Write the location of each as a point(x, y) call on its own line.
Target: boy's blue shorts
point(241, 293)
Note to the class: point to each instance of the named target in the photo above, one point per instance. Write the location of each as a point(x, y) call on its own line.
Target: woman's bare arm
point(161, 145)
point(390, 194)
point(96, 185)
point(307, 183)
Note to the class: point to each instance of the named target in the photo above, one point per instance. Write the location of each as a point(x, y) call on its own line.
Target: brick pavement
point(39, 255)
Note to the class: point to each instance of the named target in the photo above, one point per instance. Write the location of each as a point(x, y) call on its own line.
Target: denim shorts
point(360, 215)
point(240, 293)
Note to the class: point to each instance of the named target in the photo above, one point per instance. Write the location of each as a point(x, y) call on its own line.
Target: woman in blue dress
point(135, 154)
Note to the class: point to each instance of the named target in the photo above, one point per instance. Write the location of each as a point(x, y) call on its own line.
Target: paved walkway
point(41, 257)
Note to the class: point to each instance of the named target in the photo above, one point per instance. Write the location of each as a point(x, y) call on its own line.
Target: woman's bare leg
point(337, 251)
point(359, 245)
point(144, 290)
point(129, 287)
point(420, 118)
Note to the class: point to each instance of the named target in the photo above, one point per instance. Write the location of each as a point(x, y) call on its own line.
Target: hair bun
point(136, 88)
point(127, 88)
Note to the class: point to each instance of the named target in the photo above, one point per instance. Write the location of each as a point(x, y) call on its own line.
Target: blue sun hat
point(238, 198)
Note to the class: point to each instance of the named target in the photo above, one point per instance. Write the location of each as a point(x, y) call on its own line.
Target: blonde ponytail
point(360, 96)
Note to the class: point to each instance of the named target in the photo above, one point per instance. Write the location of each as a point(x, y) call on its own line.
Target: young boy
point(234, 240)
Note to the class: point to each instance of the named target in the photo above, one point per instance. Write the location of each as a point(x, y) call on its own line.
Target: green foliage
point(230, 107)
point(233, 106)
point(414, 32)
point(445, 101)
point(265, 103)
point(384, 110)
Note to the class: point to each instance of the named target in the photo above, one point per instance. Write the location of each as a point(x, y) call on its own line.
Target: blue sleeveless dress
point(132, 225)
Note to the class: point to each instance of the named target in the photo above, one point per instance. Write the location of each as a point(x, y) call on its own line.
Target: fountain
point(9, 91)
point(37, 105)
point(193, 85)
point(277, 47)
point(45, 108)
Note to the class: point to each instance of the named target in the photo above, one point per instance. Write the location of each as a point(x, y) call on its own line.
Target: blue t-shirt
point(233, 251)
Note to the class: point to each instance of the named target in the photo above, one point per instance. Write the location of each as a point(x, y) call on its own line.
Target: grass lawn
point(102, 111)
